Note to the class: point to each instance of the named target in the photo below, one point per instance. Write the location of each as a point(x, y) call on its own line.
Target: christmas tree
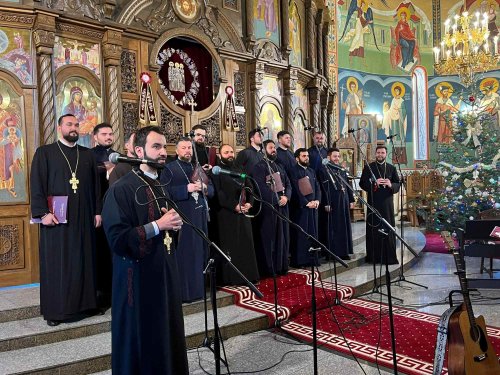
point(469, 164)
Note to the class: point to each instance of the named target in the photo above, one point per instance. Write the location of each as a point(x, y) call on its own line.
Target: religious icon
point(395, 118)
point(490, 102)
point(187, 10)
point(12, 151)
point(404, 52)
point(353, 104)
point(295, 35)
point(443, 113)
point(271, 119)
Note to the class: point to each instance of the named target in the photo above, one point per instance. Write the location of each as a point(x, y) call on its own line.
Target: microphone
point(218, 170)
point(326, 162)
point(392, 136)
point(306, 128)
point(259, 129)
point(116, 158)
point(354, 130)
point(190, 134)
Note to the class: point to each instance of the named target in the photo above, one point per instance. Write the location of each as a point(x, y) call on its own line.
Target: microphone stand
point(337, 301)
point(311, 249)
point(373, 180)
point(211, 264)
point(401, 276)
point(210, 267)
point(277, 322)
point(384, 234)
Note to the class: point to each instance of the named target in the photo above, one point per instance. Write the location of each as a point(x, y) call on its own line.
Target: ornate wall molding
point(17, 20)
point(234, 38)
point(319, 41)
point(249, 34)
point(11, 245)
point(92, 9)
point(213, 128)
point(79, 30)
point(241, 135)
point(266, 50)
point(130, 117)
point(128, 63)
point(171, 125)
point(210, 29)
point(159, 17)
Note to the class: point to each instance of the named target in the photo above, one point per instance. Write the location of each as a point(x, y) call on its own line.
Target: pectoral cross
point(74, 182)
point(167, 242)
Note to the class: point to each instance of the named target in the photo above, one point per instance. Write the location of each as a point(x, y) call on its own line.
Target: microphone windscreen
point(216, 170)
point(113, 157)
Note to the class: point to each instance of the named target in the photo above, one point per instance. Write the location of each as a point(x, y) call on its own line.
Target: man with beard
point(121, 169)
point(306, 195)
point(250, 156)
point(318, 151)
point(271, 234)
point(337, 199)
point(190, 194)
point(380, 192)
point(285, 155)
point(206, 155)
point(230, 204)
point(67, 250)
point(103, 137)
point(147, 327)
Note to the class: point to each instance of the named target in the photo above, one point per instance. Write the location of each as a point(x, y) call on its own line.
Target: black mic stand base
point(401, 278)
point(337, 301)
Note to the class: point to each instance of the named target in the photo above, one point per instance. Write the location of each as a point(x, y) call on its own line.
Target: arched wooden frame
point(299, 112)
point(78, 71)
point(203, 40)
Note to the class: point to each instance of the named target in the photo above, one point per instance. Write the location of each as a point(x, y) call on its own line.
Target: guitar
point(469, 349)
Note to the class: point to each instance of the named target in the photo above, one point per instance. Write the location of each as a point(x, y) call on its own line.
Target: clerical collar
point(381, 163)
point(305, 167)
point(103, 147)
point(66, 143)
point(256, 148)
point(154, 176)
point(283, 148)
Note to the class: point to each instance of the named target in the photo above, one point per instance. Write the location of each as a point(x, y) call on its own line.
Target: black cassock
point(103, 253)
point(316, 155)
point(233, 230)
point(147, 324)
point(305, 217)
point(67, 251)
point(247, 159)
point(192, 250)
point(338, 220)
point(381, 199)
point(271, 234)
point(286, 160)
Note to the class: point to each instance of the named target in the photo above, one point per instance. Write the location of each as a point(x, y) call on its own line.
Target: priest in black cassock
point(318, 151)
point(271, 234)
point(207, 156)
point(250, 156)
point(147, 326)
point(234, 229)
point(67, 250)
point(285, 156)
point(104, 139)
point(337, 199)
point(306, 195)
point(380, 192)
point(190, 194)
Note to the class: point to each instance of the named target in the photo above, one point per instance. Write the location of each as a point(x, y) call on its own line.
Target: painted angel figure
point(364, 25)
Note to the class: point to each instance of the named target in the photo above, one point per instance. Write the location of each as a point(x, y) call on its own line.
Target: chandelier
point(467, 48)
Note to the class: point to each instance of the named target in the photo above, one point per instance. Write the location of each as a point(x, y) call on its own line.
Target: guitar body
point(464, 352)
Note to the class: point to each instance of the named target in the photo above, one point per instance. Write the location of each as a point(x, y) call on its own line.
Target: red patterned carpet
point(415, 331)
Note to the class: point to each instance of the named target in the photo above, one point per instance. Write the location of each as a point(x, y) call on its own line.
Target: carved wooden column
point(289, 84)
point(324, 40)
point(44, 37)
point(324, 115)
point(285, 35)
point(314, 101)
point(332, 126)
point(319, 41)
point(112, 49)
point(310, 30)
point(256, 78)
point(250, 36)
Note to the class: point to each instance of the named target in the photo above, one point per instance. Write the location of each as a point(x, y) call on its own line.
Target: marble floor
point(267, 352)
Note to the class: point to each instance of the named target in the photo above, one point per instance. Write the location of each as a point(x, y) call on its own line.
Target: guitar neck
point(462, 276)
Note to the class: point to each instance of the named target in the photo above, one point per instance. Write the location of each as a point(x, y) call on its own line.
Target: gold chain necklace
point(73, 180)
point(167, 241)
point(385, 169)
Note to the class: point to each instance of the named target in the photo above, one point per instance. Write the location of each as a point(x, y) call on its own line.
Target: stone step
point(89, 354)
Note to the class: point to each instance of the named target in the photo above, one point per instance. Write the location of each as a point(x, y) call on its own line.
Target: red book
point(58, 205)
